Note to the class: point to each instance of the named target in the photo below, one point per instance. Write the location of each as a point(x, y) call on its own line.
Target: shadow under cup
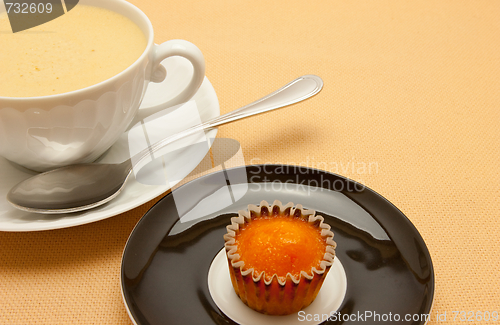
point(46, 132)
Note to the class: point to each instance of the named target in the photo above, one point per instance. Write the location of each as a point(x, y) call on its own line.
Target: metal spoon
point(85, 186)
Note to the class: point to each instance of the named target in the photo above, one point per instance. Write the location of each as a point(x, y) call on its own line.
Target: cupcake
point(278, 256)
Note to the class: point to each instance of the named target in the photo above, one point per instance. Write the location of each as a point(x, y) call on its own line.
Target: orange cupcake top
point(279, 241)
point(280, 245)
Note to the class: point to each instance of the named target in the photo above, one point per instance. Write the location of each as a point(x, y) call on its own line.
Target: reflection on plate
point(134, 193)
point(167, 258)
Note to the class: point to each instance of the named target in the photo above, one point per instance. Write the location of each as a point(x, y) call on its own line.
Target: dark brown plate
point(166, 260)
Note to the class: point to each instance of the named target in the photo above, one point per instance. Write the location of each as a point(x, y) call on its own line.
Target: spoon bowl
point(70, 189)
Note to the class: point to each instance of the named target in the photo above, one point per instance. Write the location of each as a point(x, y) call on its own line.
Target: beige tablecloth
point(411, 87)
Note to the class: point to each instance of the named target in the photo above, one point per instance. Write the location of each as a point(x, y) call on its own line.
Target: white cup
point(42, 133)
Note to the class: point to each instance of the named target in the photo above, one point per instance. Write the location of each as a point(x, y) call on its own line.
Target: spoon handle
point(296, 91)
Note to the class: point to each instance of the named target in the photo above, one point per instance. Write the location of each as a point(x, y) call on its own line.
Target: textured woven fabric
point(410, 107)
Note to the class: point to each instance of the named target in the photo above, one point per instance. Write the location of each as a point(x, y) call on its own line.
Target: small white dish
point(330, 297)
point(134, 194)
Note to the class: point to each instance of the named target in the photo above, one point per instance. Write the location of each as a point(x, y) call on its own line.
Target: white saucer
point(134, 194)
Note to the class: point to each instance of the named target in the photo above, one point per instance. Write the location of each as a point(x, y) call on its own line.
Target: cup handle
point(170, 48)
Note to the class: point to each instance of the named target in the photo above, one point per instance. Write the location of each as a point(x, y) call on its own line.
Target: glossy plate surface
point(167, 258)
point(135, 193)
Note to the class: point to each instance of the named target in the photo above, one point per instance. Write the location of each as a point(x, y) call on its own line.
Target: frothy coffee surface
point(85, 46)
